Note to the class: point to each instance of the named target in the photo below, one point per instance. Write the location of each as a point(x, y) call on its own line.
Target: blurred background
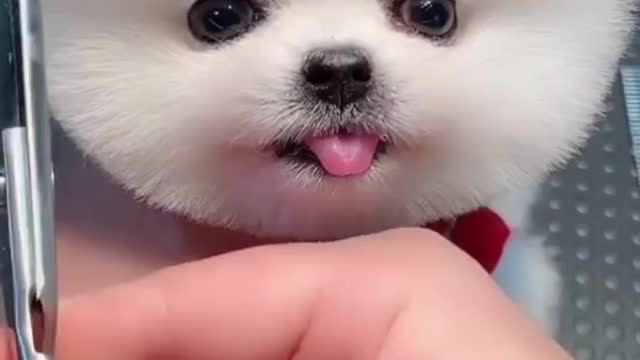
point(590, 213)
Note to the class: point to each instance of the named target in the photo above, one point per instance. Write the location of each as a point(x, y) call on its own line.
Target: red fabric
point(482, 234)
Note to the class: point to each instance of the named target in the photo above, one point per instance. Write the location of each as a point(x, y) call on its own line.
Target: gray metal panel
point(7, 112)
point(591, 214)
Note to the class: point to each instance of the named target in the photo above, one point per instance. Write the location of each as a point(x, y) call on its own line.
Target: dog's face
point(324, 118)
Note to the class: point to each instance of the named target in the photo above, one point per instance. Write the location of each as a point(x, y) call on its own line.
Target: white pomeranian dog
point(322, 119)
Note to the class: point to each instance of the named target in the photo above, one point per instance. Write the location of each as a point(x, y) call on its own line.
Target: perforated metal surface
point(591, 214)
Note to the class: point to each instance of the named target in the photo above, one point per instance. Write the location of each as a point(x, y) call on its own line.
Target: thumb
point(387, 296)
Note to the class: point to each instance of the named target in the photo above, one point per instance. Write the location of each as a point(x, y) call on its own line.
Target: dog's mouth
point(340, 154)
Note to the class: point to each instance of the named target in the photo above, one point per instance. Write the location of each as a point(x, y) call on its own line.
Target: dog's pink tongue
point(344, 155)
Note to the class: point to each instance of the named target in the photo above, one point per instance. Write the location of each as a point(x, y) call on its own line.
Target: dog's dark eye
point(433, 18)
point(216, 21)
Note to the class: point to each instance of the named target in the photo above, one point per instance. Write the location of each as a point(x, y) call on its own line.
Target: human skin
point(403, 294)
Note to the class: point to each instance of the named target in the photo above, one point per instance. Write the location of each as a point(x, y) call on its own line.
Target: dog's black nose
point(338, 76)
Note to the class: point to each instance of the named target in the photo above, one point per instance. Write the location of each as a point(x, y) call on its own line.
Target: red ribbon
point(482, 234)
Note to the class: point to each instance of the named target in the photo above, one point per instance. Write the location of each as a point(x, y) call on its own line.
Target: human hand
point(403, 294)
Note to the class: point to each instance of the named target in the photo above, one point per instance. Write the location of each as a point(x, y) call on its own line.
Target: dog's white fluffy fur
point(510, 97)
